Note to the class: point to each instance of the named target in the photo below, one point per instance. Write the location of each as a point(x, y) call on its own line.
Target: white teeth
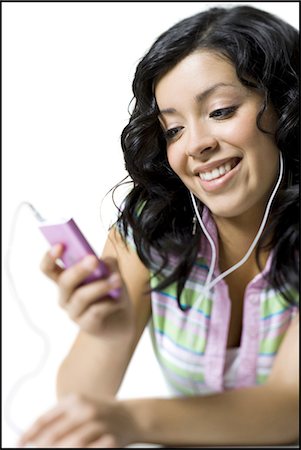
point(208, 176)
point(222, 170)
point(216, 173)
point(227, 167)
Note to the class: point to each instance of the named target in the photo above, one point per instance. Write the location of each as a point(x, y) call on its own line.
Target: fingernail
point(115, 293)
point(90, 262)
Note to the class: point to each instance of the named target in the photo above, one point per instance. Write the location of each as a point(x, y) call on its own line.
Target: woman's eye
point(172, 132)
point(223, 113)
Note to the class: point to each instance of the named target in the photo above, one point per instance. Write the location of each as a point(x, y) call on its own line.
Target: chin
point(226, 211)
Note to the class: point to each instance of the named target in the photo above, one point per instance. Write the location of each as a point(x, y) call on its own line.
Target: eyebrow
point(200, 97)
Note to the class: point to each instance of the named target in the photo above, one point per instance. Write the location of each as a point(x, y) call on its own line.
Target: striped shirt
point(191, 346)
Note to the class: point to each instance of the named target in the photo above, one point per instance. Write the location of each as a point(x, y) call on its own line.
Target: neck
point(236, 235)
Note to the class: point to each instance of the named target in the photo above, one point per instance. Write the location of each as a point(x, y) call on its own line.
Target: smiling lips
point(219, 171)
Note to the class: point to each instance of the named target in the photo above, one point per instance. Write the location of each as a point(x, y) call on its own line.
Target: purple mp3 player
point(76, 247)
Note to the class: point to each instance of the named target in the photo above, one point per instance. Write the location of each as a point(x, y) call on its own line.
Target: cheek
point(242, 132)
point(176, 159)
point(255, 144)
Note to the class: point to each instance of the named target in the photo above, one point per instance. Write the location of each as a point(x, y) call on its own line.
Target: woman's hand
point(90, 305)
point(78, 422)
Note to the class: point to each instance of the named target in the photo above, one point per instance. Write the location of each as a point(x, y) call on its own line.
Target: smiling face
point(213, 142)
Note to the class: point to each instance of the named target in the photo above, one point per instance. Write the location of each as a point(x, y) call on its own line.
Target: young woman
point(205, 249)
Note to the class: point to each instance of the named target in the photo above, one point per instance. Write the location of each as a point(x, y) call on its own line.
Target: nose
point(200, 140)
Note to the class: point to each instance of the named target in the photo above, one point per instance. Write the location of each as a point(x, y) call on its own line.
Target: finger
point(98, 291)
point(55, 432)
point(82, 436)
point(111, 264)
point(49, 265)
point(43, 423)
point(105, 441)
point(113, 268)
point(73, 277)
point(68, 414)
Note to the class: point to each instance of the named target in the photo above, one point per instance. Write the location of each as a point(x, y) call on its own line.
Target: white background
point(67, 74)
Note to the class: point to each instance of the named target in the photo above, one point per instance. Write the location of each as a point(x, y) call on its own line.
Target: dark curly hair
point(264, 51)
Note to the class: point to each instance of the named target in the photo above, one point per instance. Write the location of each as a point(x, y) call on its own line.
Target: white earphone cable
point(39, 332)
point(209, 284)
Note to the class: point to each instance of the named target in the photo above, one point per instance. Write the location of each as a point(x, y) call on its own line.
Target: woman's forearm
point(94, 367)
point(251, 416)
